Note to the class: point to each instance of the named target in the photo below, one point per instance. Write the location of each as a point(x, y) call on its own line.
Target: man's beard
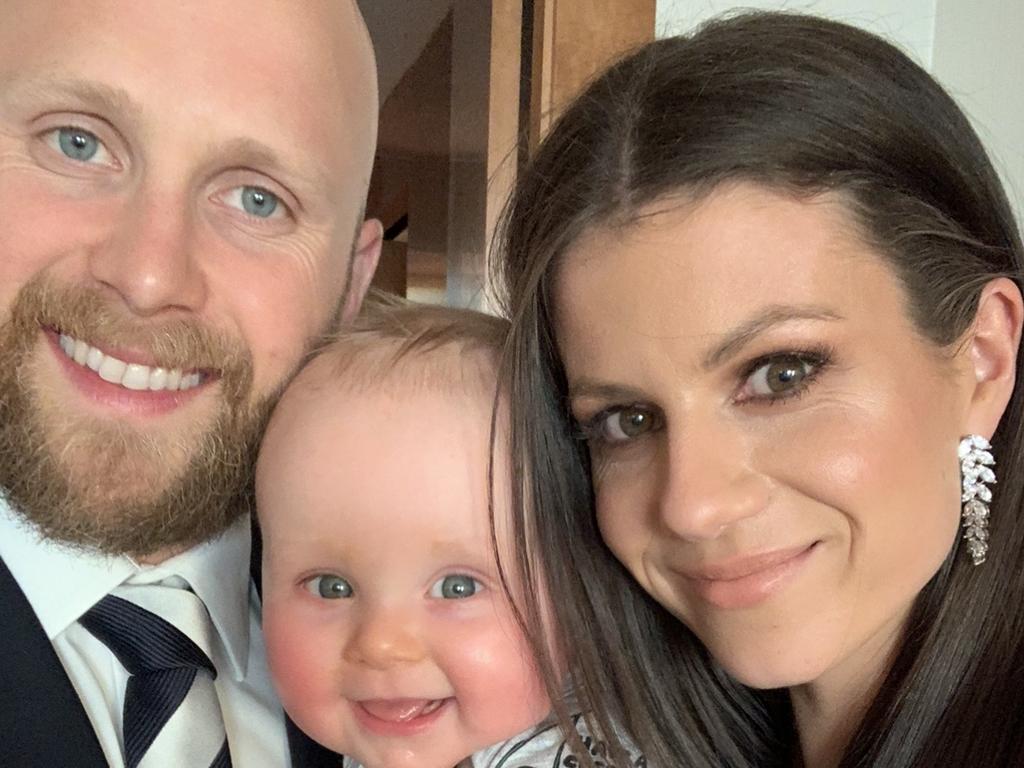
point(102, 483)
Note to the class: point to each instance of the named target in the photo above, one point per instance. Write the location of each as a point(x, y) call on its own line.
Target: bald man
point(181, 197)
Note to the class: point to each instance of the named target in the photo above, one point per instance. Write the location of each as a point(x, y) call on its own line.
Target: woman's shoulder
point(546, 746)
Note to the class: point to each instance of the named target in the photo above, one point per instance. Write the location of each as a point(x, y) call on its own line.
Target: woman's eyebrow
point(730, 345)
point(599, 390)
point(769, 317)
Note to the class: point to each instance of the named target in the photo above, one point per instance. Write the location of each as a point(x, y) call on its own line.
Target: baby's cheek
point(497, 685)
point(302, 666)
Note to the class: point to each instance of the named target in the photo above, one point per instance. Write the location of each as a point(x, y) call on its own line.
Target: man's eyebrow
point(767, 318)
point(250, 153)
point(107, 99)
point(89, 93)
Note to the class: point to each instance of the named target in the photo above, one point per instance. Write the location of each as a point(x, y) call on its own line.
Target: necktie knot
point(142, 641)
point(162, 636)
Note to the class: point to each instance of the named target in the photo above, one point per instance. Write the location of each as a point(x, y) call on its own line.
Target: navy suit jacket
point(42, 721)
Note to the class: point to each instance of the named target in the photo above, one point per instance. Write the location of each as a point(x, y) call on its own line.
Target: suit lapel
point(41, 716)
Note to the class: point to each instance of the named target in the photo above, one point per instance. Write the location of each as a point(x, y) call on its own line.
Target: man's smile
point(126, 382)
point(129, 375)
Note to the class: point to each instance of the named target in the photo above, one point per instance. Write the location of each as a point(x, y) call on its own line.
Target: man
point(181, 190)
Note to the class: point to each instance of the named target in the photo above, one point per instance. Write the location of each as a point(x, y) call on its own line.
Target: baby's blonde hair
point(390, 332)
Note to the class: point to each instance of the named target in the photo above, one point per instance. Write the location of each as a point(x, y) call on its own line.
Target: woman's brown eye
point(779, 376)
point(627, 424)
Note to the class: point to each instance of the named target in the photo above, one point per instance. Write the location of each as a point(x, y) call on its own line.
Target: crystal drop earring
point(976, 462)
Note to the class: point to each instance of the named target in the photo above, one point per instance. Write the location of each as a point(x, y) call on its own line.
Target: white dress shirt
point(61, 584)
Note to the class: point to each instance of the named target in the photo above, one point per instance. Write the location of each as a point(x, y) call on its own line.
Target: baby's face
point(389, 635)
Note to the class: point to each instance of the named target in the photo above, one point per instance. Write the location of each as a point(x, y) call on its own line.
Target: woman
point(763, 280)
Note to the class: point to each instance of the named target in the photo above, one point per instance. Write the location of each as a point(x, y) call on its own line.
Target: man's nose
point(149, 258)
point(708, 480)
point(384, 637)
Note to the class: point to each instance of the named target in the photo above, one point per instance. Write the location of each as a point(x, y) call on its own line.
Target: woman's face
point(773, 443)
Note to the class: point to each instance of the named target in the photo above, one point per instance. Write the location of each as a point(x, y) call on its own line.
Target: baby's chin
point(408, 757)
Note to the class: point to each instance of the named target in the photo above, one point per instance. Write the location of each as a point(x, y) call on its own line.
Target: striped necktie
point(171, 715)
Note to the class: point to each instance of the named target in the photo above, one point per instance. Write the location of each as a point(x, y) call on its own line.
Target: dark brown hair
point(803, 106)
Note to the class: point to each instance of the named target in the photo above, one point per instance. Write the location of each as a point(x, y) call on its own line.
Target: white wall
point(973, 47)
point(909, 23)
point(979, 57)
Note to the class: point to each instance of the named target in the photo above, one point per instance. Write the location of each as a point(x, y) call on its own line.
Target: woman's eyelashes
point(768, 380)
point(621, 424)
point(780, 376)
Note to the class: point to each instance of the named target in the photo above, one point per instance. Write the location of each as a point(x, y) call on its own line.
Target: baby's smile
point(398, 717)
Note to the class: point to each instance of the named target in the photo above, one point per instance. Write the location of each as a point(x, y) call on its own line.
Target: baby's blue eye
point(456, 586)
point(329, 587)
point(259, 202)
point(78, 144)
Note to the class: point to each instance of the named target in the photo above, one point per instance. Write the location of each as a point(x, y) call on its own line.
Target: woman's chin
point(765, 671)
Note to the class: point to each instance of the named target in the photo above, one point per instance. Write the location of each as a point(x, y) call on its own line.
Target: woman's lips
point(744, 582)
point(399, 717)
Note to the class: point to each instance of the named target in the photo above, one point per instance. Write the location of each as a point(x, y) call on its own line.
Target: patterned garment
point(547, 747)
point(542, 747)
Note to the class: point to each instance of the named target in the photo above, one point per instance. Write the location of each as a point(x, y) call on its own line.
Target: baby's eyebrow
point(768, 317)
point(459, 553)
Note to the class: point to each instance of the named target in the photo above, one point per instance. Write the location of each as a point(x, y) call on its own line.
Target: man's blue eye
point(456, 586)
point(259, 202)
point(78, 144)
point(329, 587)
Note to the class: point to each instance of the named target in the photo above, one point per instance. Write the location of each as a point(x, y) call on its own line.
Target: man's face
point(180, 185)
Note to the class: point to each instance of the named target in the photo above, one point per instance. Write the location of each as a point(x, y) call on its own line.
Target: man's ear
point(364, 263)
point(992, 354)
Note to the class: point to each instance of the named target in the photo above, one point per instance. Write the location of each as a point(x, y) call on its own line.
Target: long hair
point(803, 106)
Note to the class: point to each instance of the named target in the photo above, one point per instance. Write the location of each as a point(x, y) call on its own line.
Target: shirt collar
point(62, 583)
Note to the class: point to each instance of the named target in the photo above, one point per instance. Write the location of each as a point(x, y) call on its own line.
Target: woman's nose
point(708, 482)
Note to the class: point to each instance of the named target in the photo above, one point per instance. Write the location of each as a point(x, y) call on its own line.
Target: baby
point(389, 633)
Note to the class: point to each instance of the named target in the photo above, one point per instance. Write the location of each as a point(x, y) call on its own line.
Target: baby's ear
point(992, 346)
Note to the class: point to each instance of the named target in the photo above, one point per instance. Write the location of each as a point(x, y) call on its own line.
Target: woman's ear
point(992, 346)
